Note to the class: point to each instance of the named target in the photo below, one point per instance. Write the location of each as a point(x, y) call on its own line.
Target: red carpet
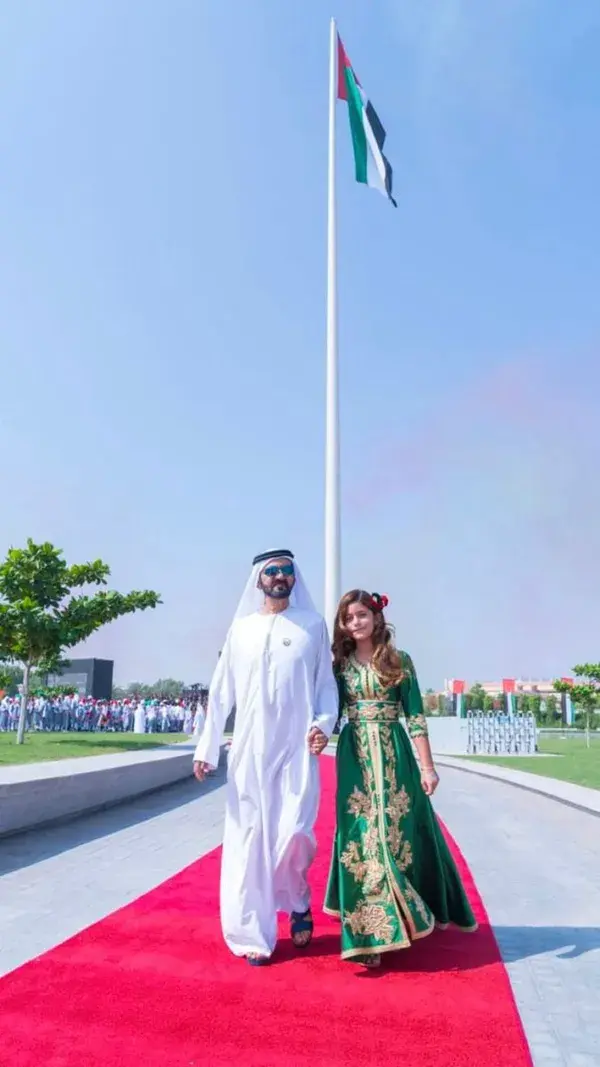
point(153, 986)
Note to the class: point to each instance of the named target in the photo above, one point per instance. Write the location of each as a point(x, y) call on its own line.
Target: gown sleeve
point(412, 701)
point(327, 703)
point(221, 698)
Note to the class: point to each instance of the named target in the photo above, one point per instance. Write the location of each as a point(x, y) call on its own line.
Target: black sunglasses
point(287, 570)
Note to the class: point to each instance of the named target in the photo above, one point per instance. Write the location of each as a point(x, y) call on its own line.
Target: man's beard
point(279, 591)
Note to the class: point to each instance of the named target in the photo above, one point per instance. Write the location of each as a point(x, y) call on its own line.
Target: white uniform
point(276, 669)
point(139, 719)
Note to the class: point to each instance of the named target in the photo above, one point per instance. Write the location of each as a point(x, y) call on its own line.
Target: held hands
point(316, 741)
point(429, 780)
point(201, 770)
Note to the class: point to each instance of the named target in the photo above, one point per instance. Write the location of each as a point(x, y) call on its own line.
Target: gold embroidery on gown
point(392, 876)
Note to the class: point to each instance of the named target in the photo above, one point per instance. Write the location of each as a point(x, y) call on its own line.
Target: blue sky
point(162, 210)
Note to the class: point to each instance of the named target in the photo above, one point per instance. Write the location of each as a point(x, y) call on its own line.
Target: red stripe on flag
point(343, 62)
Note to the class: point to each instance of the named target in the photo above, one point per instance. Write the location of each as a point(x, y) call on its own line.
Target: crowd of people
point(84, 714)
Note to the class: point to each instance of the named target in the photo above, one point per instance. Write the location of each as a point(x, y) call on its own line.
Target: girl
point(392, 876)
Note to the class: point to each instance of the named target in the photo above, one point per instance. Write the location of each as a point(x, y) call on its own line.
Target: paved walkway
point(576, 796)
point(537, 866)
point(56, 881)
point(536, 862)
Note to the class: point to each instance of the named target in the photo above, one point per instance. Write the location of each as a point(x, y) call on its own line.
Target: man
point(276, 668)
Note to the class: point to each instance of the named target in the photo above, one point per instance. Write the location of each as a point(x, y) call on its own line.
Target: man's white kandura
point(276, 669)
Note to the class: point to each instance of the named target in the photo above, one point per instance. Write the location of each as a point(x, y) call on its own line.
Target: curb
point(518, 785)
point(69, 811)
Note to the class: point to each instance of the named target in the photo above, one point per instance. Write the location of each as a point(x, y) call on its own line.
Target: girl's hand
point(429, 781)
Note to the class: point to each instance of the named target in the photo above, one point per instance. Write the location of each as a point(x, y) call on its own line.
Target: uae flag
point(368, 135)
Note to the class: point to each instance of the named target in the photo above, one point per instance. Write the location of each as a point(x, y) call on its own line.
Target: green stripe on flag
point(357, 128)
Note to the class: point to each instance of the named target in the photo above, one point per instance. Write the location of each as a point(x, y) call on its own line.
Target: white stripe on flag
point(376, 172)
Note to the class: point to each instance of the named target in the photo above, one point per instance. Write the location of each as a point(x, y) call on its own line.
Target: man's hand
point(317, 741)
point(201, 770)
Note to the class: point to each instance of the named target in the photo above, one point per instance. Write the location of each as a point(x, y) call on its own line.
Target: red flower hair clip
point(379, 602)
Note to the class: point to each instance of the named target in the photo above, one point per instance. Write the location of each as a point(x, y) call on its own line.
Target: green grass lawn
point(569, 760)
point(53, 746)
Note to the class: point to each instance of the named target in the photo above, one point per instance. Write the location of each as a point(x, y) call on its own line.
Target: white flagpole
point(332, 426)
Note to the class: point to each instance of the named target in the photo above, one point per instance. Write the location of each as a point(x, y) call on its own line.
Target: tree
point(552, 709)
point(475, 698)
point(535, 706)
point(136, 691)
point(40, 617)
point(585, 693)
point(167, 688)
point(430, 701)
point(10, 678)
point(53, 692)
point(5, 677)
point(163, 689)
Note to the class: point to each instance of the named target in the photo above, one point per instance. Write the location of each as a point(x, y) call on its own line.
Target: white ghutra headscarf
point(253, 597)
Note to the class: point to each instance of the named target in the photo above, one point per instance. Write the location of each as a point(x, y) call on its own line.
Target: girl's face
point(359, 622)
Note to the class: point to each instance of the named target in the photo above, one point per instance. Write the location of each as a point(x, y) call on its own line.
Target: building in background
point(90, 677)
point(542, 687)
point(505, 693)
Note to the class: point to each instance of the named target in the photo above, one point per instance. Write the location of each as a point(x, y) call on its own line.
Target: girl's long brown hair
point(386, 662)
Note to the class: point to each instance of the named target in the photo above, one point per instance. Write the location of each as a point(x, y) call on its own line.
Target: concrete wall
point(35, 794)
point(447, 735)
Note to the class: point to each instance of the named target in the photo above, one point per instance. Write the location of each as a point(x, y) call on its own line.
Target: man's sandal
point(258, 961)
point(301, 924)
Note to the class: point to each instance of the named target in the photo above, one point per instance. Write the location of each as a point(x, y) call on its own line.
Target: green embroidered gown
point(392, 877)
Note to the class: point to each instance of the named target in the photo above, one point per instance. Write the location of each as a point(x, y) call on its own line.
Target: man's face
point(277, 578)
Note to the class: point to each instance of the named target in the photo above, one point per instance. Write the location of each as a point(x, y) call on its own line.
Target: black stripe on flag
point(380, 135)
